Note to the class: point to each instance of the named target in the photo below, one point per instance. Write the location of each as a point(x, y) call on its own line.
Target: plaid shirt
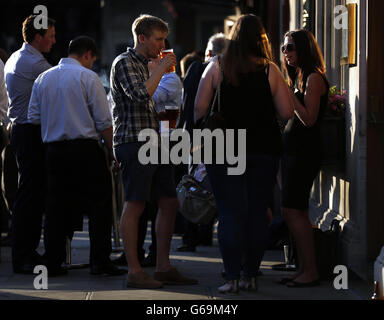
point(132, 106)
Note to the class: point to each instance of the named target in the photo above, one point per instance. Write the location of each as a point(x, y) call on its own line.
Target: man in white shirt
point(21, 70)
point(70, 103)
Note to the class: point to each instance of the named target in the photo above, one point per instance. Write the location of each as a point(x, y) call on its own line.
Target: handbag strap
point(219, 83)
point(210, 111)
point(217, 93)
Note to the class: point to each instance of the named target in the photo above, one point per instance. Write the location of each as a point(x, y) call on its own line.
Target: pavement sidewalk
point(205, 264)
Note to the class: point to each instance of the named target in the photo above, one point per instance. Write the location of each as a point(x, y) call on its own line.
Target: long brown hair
point(309, 58)
point(247, 39)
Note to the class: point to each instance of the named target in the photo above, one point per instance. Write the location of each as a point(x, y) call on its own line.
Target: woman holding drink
point(305, 67)
point(252, 92)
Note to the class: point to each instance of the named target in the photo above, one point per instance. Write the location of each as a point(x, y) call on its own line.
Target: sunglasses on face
point(288, 47)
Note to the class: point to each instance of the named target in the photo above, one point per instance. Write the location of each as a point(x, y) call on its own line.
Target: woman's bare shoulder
point(273, 67)
point(316, 81)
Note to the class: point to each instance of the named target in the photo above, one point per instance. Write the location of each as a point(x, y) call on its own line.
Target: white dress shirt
point(3, 94)
point(69, 101)
point(21, 70)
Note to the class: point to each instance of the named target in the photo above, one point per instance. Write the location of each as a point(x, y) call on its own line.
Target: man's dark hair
point(29, 30)
point(81, 45)
point(187, 60)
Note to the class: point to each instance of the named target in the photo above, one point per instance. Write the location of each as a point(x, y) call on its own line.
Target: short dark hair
point(187, 60)
point(145, 24)
point(29, 30)
point(81, 45)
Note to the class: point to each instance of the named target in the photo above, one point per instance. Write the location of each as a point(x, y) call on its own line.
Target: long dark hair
point(309, 58)
point(247, 39)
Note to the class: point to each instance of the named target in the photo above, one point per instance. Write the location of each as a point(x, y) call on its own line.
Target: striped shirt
point(132, 106)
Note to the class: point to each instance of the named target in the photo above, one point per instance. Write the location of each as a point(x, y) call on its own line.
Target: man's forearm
point(153, 82)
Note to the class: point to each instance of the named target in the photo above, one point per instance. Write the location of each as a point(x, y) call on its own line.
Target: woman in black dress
point(301, 162)
point(253, 92)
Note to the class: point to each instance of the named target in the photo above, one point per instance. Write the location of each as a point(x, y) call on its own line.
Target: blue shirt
point(21, 70)
point(169, 92)
point(69, 101)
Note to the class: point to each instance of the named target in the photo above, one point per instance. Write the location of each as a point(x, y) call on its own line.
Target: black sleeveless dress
point(250, 106)
point(302, 157)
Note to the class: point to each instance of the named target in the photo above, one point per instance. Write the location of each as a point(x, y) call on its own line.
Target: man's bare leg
point(165, 222)
point(129, 229)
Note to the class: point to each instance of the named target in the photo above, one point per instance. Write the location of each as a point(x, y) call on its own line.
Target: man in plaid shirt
point(132, 89)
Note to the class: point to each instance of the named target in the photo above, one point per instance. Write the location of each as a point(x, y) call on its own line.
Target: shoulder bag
point(197, 204)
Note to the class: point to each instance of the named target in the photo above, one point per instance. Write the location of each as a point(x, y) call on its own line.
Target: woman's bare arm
point(280, 93)
point(207, 86)
point(315, 89)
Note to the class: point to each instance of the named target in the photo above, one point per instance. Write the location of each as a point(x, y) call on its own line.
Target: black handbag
point(197, 204)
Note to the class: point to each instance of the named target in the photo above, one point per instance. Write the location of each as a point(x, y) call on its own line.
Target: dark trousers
point(197, 234)
point(242, 203)
point(10, 175)
point(4, 212)
point(79, 182)
point(29, 204)
point(191, 234)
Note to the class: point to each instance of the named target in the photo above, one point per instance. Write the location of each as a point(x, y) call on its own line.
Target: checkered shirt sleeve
point(132, 106)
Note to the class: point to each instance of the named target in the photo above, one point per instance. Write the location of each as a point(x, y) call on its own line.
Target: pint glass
point(171, 114)
point(163, 53)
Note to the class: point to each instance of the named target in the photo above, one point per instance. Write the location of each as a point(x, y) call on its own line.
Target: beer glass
point(171, 114)
point(163, 53)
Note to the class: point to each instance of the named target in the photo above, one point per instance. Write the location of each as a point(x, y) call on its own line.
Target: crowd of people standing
point(67, 134)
